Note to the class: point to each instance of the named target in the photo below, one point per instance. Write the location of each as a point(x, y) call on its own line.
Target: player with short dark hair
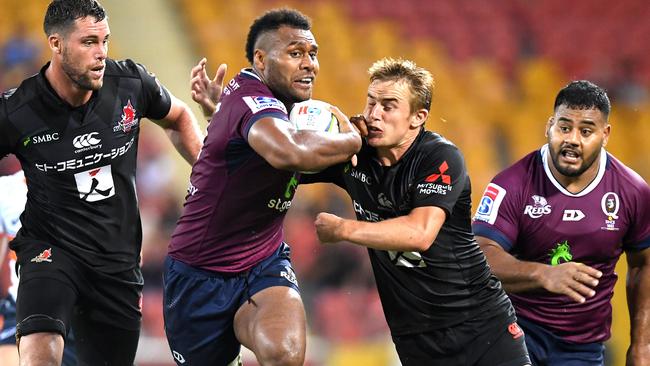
point(553, 226)
point(228, 278)
point(74, 127)
point(411, 195)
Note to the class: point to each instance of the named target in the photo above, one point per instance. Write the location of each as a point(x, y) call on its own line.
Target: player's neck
point(64, 87)
point(579, 183)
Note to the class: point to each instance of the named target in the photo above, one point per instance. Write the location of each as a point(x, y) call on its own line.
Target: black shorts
point(486, 340)
point(56, 292)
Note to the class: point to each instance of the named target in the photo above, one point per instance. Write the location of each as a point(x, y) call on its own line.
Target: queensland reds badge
point(610, 204)
point(128, 120)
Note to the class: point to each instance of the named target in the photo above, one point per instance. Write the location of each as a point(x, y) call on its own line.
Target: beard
point(78, 76)
point(571, 171)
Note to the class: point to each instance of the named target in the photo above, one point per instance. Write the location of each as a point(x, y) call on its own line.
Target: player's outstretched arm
point(573, 279)
point(638, 300)
point(414, 232)
point(183, 130)
point(205, 92)
point(286, 148)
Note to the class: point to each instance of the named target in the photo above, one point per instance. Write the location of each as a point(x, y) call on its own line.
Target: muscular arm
point(288, 149)
point(183, 130)
point(414, 232)
point(575, 280)
point(638, 300)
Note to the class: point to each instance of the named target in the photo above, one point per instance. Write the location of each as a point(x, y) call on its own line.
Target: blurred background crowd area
point(497, 65)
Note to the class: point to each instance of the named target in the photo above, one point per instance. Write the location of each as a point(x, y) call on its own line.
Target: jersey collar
point(250, 73)
point(594, 183)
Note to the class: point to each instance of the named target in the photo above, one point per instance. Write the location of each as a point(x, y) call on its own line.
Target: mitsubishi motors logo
point(442, 169)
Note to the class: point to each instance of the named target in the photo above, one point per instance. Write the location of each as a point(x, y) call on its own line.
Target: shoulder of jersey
point(628, 174)
point(518, 173)
point(121, 68)
point(432, 140)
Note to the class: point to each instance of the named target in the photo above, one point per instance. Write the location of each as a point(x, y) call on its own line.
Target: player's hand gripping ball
point(313, 115)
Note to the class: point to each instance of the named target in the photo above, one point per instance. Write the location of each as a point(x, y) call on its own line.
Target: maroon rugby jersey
point(236, 200)
point(533, 217)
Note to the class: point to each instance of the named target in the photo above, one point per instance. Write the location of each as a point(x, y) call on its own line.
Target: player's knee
point(287, 352)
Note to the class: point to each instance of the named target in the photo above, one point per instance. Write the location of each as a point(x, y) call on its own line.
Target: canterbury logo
point(86, 140)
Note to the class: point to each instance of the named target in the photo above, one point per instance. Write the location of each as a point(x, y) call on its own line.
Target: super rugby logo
point(488, 208)
point(538, 208)
point(260, 103)
point(128, 120)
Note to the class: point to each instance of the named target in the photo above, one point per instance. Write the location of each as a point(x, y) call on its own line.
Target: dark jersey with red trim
point(80, 163)
point(450, 282)
point(531, 215)
point(236, 201)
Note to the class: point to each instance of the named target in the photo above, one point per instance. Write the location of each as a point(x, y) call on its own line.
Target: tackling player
point(411, 196)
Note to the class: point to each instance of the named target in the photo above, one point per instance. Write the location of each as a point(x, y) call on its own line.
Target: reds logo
point(128, 119)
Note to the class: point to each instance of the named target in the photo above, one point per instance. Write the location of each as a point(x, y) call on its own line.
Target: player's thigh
point(507, 349)
point(274, 317)
point(198, 308)
point(271, 318)
point(99, 343)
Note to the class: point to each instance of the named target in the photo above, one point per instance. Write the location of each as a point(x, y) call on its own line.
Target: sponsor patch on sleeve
point(488, 208)
point(258, 104)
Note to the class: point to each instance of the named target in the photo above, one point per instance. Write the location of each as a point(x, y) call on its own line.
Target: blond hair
point(419, 80)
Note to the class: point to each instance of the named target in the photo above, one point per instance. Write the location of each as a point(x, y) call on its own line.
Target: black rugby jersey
point(451, 281)
point(80, 163)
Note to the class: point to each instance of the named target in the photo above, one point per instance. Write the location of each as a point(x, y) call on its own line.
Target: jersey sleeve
point(638, 235)
point(441, 179)
point(496, 216)
point(258, 107)
point(157, 98)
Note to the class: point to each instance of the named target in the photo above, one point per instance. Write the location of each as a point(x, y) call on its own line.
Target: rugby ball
point(313, 115)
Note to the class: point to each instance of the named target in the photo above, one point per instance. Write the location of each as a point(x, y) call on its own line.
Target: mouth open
point(306, 82)
point(98, 71)
point(570, 156)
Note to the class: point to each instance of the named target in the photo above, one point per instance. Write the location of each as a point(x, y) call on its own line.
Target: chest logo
point(86, 142)
point(128, 120)
point(539, 207)
point(561, 253)
point(573, 215)
point(384, 202)
point(610, 204)
point(95, 184)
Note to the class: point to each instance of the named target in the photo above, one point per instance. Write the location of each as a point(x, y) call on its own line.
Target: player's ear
point(56, 43)
point(258, 59)
point(606, 132)
point(419, 118)
point(549, 123)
